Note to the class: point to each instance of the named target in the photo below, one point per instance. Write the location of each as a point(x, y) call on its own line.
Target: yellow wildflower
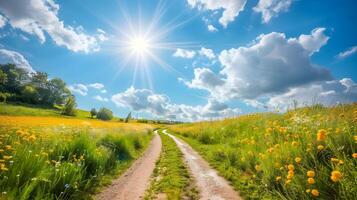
point(320, 147)
point(336, 176)
point(291, 167)
point(354, 155)
point(315, 192)
point(278, 178)
point(321, 134)
point(310, 173)
point(311, 181)
point(297, 159)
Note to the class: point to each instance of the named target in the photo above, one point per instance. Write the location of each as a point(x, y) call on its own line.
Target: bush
point(69, 107)
point(105, 114)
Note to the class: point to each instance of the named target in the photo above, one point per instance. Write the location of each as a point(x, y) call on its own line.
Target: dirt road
point(210, 185)
point(133, 183)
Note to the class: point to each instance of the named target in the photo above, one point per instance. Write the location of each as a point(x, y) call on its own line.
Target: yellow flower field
point(308, 153)
point(63, 158)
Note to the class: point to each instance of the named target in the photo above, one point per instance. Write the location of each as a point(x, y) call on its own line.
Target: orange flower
point(336, 176)
point(354, 155)
point(311, 181)
point(321, 135)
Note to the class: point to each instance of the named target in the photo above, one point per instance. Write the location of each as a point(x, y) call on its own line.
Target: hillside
point(302, 154)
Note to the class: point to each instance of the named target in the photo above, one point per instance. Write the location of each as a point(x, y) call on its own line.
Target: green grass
point(254, 151)
point(171, 177)
point(32, 110)
point(63, 163)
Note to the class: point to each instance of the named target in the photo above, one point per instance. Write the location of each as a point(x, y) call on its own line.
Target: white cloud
point(315, 40)
point(327, 93)
point(37, 17)
point(3, 21)
point(103, 91)
point(99, 98)
point(97, 86)
point(272, 65)
point(211, 28)
point(7, 56)
point(144, 100)
point(347, 53)
point(231, 8)
point(79, 89)
point(208, 53)
point(271, 8)
point(183, 53)
point(102, 35)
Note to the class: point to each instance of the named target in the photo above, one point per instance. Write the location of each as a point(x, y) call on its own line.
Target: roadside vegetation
point(171, 179)
point(307, 153)
point(60, 158)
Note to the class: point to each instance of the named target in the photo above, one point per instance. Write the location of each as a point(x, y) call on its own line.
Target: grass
point(308, 153)
point(60, 158)
point(171, 178)
point(22, 109)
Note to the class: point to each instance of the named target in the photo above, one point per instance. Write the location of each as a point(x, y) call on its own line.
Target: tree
point(29, 94)
point(3, 77)
point(58, 91)
point(70, 106)
point(93, 112)
point(105, 114)
point(128, 118)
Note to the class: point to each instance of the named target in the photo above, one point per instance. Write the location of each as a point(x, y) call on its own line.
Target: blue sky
point(203, 59)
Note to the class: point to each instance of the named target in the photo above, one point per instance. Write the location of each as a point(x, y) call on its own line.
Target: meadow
point(306, 153)
point(64, 158)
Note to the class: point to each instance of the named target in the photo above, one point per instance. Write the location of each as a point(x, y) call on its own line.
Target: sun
point(140, 45)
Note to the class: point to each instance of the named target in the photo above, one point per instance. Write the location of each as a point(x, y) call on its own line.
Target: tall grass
point(62, 163)
point(308, 153)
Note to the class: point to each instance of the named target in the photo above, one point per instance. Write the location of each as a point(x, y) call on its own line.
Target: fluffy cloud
point(207, 52)
point(327, 93)
point(2, 21)
point(79, 89)
point(183, 53)
point(7, 56)
point(37, 17)
point(272, 65)
point(82, 89)
point(211, 28)
point(347, 53)
point(314, 41)
point(271, 8)
point(144, 100)
point(231, 8)
point(100, 98)
point(97, 86)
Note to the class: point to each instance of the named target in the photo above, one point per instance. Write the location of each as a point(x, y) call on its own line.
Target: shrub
point(93, 112)
point(105, 114)
point(69, 107)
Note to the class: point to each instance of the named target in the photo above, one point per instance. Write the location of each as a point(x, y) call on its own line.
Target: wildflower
point(308, 191)
point(7, 157)
point(294, 143)
point(278, 178)
point(336, 176)
point(257, 167)
point(354, 155)
point(311, 181)
point(291, 167)
point(320, 147)
point(8, 147)
point(310, 174)
point(291, 172)
point(287, 182)
point(315, 192)
point(335, 160)
point(297, 159)
point(321, 134)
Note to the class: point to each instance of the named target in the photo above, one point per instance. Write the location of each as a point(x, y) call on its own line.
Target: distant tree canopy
point(18, 85)
point(93, 112)
point(105, 114)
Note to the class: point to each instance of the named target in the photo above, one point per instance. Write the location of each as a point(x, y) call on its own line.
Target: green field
point(306, 153)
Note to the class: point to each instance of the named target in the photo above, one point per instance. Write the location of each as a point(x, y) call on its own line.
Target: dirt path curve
point(210, 185)
point(133, 183)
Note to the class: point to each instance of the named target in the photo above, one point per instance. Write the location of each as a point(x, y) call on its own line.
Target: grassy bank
point(56, 160)
point(171, 179)
point(308, 153)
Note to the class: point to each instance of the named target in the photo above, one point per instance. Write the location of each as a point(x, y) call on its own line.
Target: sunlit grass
point(59, 158)
point(304, 154)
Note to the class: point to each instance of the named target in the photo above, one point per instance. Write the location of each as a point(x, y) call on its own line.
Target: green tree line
point(18, 85)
